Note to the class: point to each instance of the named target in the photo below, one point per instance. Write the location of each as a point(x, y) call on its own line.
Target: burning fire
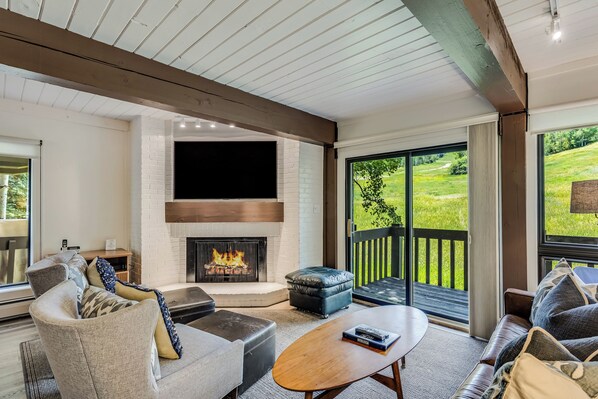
point(230, 258)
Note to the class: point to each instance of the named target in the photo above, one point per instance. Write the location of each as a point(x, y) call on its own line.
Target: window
point(14, 219)
point(565, 157)
point(20, 239)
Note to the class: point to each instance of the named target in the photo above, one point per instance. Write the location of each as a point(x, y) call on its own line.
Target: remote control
point(371, 333)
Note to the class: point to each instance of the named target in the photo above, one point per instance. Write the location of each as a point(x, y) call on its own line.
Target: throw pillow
point(101, 274)
point(99, 302)
point(568, 312)
point(76, 267)
point(537, 342)
point(167, 339)
point(548, 283)
point(585, 349)
point(530, 378)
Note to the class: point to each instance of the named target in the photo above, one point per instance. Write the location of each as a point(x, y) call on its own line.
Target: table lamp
point(584, 197)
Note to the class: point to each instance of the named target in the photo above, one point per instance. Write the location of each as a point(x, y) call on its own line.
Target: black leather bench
point(188, 304)
point(320, 290)
point(258, 335)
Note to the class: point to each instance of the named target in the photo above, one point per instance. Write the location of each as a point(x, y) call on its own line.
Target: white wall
point(567, 83)
point(311, 199)
point(154, 248)
point(85, 174)
point(454, 108)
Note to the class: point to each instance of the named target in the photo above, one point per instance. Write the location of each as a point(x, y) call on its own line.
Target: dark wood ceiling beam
point(474, 35)
point(46, 53)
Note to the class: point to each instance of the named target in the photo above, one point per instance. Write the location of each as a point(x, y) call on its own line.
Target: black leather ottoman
point(259, 336)
point(320, 290)
point(188, 304)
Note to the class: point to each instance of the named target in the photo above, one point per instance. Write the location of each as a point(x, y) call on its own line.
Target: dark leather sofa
point(518, 306)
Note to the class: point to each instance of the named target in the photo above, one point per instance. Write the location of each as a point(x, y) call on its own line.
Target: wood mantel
point(224, 211)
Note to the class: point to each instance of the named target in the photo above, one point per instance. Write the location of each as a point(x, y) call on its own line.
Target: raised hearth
point(220, 260)
point(233, 295)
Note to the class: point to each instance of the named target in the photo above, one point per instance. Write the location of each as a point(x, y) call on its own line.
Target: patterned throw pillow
point(167, 339)
point(551, 280)
point(99, 302)
point(537, 342)
point(530, 378)
point(101, 274)
point(548, 283)
point(76, 267)
point(568, 312)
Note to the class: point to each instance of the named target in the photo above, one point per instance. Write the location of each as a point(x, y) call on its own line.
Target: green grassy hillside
point(562, 169)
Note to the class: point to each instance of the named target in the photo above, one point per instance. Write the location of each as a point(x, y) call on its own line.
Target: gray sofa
point(109, 356)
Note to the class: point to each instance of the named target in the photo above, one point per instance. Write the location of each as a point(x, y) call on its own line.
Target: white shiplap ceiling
point(335, 58)
point(13, 87)
point(527, 20)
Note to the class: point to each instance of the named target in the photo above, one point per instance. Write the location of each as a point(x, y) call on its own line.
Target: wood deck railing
point(11, 244)
point(378, 254)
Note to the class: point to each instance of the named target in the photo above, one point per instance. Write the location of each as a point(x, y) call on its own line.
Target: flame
point(230, 258)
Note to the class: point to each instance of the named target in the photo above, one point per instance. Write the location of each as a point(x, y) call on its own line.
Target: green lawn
point(440, 202)
point(560, 170)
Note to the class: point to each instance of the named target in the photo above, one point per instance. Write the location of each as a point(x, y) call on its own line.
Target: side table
point(118, 258)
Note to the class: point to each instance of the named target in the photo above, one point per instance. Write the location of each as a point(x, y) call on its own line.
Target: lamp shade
point(584, 196)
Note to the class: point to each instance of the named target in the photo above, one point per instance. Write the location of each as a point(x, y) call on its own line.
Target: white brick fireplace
point(159, 248)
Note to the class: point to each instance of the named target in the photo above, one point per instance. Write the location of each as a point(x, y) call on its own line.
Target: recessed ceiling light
point(197, 124)
point(212, 125)
point(182, 124)
point(231, 125)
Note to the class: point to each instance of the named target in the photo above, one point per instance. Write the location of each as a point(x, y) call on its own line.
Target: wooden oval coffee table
point(322, 360)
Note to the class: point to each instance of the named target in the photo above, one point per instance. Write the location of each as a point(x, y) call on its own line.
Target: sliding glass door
point(376, 228)
point(407, 229)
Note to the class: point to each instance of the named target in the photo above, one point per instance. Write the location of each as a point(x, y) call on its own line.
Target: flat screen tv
point(212, 170)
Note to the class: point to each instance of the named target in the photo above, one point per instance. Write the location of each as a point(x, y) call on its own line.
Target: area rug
point(435, 368)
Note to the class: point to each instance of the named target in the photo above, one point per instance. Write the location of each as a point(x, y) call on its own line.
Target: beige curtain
point(484, 229)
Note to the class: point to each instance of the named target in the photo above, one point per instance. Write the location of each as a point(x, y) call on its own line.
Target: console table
point(118, 258)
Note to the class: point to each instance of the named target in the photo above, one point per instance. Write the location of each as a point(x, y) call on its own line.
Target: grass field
point(440, 202)
point(560, 170)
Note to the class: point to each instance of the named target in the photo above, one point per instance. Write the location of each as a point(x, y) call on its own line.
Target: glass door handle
point(349, 228)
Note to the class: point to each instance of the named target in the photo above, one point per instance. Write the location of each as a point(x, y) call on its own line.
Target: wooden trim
point(514, 237)
point(49, 54)
point(101, 253)
point(330, 208)
point(224, 211)
point(475, 36)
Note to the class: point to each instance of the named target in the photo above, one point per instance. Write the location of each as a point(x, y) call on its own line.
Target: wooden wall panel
point(514, 237)
point(330, 207)
point(224, 211)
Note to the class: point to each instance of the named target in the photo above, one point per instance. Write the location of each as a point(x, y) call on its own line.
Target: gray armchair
point(109, 356)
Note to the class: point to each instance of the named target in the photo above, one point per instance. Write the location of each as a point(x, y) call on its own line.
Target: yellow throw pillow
point(531, 378)
point(101, 274)
point(167, 339)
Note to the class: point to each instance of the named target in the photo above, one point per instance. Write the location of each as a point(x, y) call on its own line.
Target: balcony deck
point(450, 303)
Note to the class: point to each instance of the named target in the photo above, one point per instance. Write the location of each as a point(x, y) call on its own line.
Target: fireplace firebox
point(226, 259)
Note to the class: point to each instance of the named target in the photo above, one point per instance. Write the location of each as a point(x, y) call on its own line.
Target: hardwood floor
point(12, 333)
